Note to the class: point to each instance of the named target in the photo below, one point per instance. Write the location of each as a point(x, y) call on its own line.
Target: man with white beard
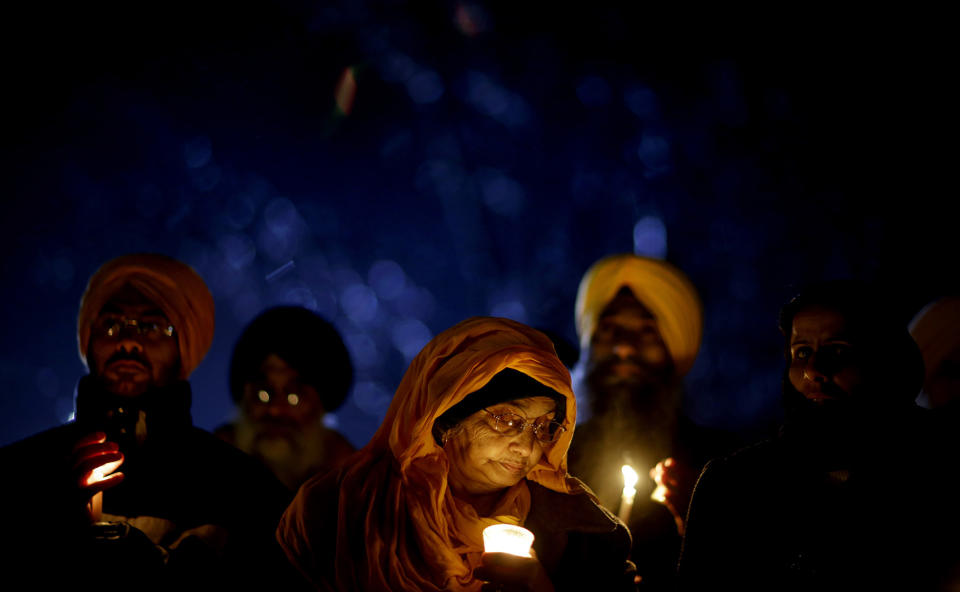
point(289, 368)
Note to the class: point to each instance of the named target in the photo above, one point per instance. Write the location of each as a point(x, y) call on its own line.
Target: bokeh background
point(399, 166)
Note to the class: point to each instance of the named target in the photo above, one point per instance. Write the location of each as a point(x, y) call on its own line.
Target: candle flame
point(630, 477)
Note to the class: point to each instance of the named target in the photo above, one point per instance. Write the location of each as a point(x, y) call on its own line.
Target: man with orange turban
point(131, 492)
point(640, 323)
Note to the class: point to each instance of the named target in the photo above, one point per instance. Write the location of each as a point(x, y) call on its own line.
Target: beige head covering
point(174, 287)
point(662, 288)
point(936, 329)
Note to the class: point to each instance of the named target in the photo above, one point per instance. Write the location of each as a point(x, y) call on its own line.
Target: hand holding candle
point(94, 462)
point(630, 478)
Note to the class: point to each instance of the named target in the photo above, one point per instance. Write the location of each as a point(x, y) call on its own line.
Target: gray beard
point(293, 454)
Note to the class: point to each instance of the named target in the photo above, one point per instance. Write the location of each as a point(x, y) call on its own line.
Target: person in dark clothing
point(289, 369)
point(640, 323)
point(130, 494)
point(843, 497)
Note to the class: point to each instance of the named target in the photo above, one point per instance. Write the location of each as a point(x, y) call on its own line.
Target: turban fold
point(936, 329)
point(174, 287)
point(398, 526)
point(662, 288)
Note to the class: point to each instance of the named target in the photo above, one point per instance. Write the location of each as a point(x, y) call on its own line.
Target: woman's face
point(482, 460)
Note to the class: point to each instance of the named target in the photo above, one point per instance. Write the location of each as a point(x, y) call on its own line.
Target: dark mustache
point(132, 356)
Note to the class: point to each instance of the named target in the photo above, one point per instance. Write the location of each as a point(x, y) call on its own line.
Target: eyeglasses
point(511, 424)
point(113, 326)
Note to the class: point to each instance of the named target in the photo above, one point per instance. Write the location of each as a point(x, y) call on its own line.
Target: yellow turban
point(173, 286)
point(936, 329)
point(662, 288)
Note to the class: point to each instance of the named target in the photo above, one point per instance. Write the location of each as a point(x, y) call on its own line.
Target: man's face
point(826, 363)
point(626, 349)
point(129, 351)
point(278, 400)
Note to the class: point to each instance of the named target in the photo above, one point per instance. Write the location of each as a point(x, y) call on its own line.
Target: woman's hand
point(511, 573)
point(93, 463)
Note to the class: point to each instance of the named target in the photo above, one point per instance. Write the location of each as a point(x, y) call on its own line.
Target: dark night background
point(493, 151)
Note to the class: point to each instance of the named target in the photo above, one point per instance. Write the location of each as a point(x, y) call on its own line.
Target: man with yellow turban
point(131, 494)
point(640, 322)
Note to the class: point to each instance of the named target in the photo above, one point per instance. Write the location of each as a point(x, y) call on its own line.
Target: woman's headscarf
point(662, 288)
point(175, 287)
point(394, 502)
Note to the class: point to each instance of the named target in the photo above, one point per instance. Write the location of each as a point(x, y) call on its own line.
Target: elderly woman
point(477, 434)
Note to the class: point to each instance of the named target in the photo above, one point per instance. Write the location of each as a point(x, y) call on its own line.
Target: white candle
point(507, 538)
point(630, 478)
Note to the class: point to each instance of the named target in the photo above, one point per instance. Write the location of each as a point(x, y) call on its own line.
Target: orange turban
point(393, 500)
point(936, 329)
point(173, 286)
point(662, 288)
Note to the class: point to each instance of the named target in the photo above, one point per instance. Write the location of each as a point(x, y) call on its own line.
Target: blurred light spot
point(47, 382)
point(281, 216)
point(397, 67)
point(282, 231)
point(205, 178)
point(359, 303)
point(654, 152)
point(487, 96)
point(470, 19)
point(642, 102)
point(346, 91)
point(238, 250)
point(239, 211)
point(425, 87)
point(300, 295)
point(387, 279)
point(330, 421)
point(264, 396)
point(280, 271)
point(502, 194)
point(511, 309)
point(650, 237)
point(197, 151)
point(293, 399)
point(363, 349)
point(593, 91)
point(409, 336)
point(371, 398)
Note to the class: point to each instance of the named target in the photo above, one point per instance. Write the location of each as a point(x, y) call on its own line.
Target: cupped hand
point(511, 573)
point(94, 462)
point(675, 481)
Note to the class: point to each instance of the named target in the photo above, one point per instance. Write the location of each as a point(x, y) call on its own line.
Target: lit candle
point(98, 474)
point(507, 538)
point(630, 478)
